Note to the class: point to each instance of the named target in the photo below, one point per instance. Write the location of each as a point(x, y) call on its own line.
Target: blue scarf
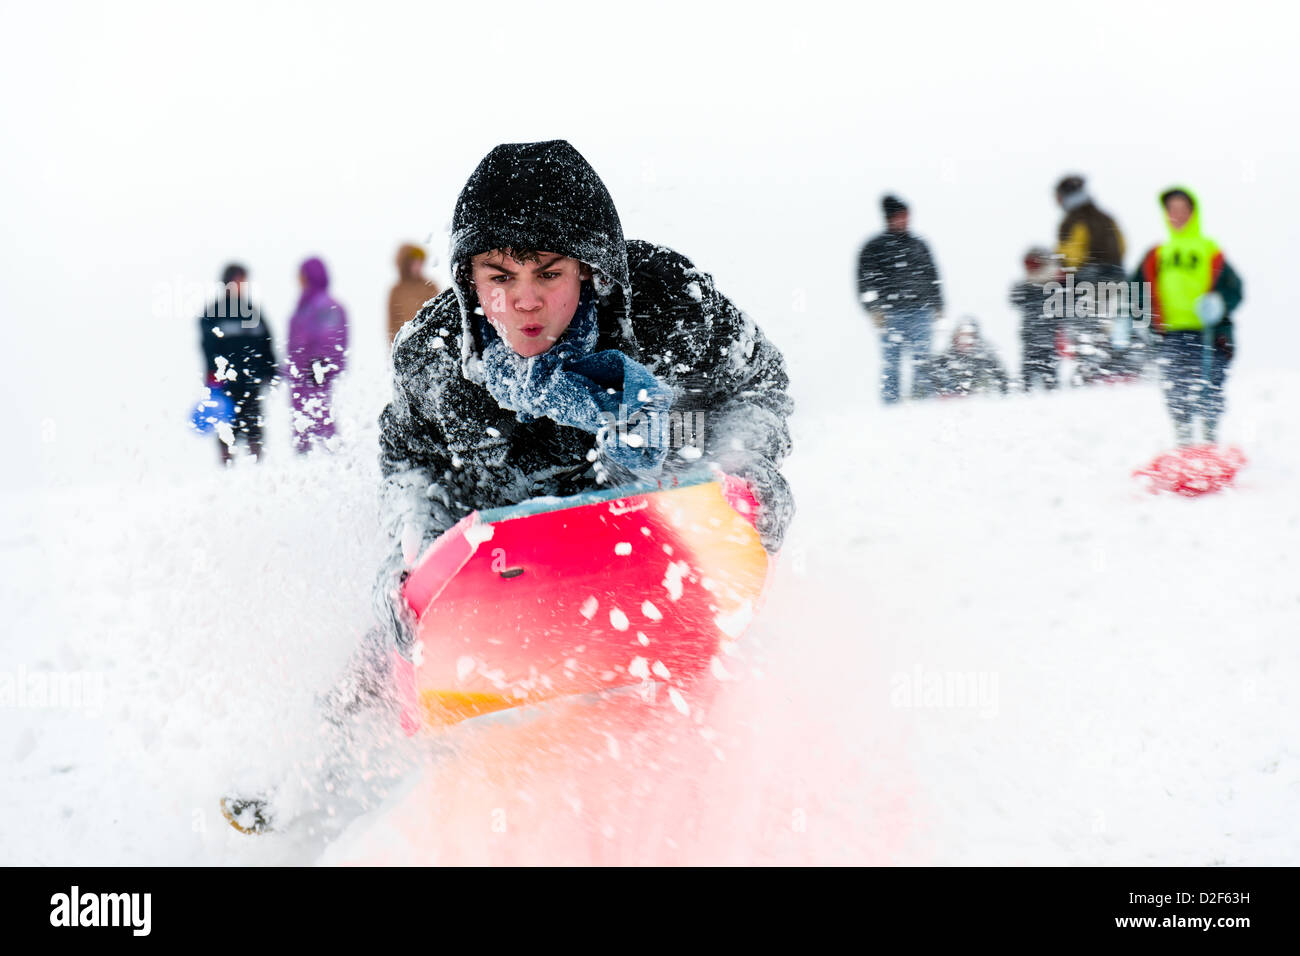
point(534, 387)
point(577, 386)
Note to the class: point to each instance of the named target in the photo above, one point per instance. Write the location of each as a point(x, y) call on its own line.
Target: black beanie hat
point(892, 206)
point(542, 197)
point(1069, 185)
point(539, 197)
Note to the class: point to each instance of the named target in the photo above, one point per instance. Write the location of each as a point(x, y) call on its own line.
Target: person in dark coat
point(506, 386)
point(517, 382)
point(1089, 240)
point(969, 365)
point(1039, 324)
point(239, 359)
point(899, 287)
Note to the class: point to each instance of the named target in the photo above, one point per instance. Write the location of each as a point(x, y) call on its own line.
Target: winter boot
point(247, 814)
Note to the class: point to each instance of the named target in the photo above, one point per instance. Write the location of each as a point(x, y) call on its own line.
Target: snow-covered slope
point(985, 644)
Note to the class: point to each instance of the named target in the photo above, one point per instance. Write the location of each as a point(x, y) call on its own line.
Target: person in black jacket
point(1039, 326)
point(899, 287)
point(239, 359)
point(506, 386)
point(517, 382)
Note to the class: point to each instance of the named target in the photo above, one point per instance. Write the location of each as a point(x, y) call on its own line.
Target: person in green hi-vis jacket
point(1191, 295)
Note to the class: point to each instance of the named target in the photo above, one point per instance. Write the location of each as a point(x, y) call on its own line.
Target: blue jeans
point(906, 330)
point(1193, 378)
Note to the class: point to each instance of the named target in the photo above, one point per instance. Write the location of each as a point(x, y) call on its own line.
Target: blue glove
point(625, 392)
point(612, 379)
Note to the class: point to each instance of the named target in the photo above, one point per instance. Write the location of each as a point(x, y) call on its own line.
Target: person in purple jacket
point(318, 344)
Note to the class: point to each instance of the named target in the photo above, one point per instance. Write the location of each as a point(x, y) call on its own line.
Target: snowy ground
point(1132, 656)
point(985, 645)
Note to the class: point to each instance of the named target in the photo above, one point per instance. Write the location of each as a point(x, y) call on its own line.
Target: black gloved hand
point(775, 501)
point(390, 607)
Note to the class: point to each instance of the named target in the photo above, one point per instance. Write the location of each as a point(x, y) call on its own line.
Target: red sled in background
point(1192, 471)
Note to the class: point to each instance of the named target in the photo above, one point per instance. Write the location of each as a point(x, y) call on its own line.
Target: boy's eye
point(549, 275)
point(499, 277)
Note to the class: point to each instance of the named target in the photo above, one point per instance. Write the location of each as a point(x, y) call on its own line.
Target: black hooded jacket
point(896, 269)
point(447, 447)
point(236, 344)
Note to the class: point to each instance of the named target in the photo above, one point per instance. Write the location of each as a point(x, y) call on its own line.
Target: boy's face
point(530, 304)
point(1179, 210)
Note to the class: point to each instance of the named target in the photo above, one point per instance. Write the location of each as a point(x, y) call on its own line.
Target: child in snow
point(968, 366)
point(1039, 326)
point(504, 385)
point(411, 291)
point(1191, 295)
point(318, 343)
point(239, 359)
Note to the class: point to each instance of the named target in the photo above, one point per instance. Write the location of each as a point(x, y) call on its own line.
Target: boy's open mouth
point(532, 331)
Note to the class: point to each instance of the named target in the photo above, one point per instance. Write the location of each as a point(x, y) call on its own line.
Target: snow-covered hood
point(541, 197)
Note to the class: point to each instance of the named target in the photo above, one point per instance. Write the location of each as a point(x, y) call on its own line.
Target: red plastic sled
point(564, 596)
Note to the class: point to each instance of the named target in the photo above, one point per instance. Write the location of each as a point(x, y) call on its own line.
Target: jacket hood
point(318, 279)
point(541, 197)
point(1193, 228)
